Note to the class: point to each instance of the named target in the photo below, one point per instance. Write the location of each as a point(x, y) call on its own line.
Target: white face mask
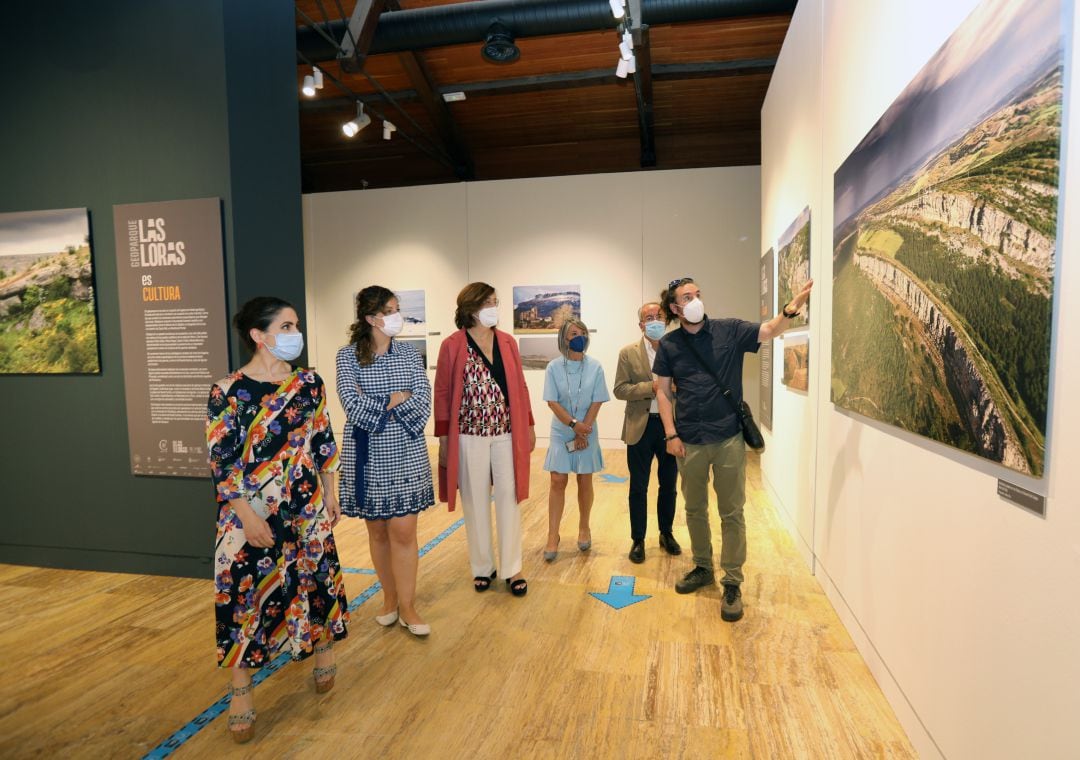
point(488, 316)
point(287, 346)
point(392, 324)
point(694, 311)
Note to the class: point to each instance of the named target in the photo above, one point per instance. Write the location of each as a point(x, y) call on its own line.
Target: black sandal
point(520, 587)
point(482, 582)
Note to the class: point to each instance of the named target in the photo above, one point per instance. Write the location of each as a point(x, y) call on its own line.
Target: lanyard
point(574, 396)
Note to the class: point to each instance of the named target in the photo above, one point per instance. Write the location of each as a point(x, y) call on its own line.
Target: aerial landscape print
point(944, 242)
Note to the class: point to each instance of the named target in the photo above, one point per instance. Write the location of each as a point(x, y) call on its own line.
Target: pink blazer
point(449, 386)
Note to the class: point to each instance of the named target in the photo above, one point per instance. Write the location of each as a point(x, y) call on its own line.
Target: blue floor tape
point(358, 571)
point(204, 718)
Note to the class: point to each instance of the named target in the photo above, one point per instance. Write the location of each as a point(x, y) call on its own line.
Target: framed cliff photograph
point(945, 242)
point(796, 361)
point(542, 308)
point(48, 318)
point(793, 266)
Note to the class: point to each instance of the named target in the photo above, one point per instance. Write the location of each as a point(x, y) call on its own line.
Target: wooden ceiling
point(557, 110)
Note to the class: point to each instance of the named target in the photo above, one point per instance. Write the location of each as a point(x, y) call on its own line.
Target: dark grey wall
point(124, 102)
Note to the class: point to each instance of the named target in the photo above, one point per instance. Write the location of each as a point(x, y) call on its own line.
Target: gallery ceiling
point(702, 70)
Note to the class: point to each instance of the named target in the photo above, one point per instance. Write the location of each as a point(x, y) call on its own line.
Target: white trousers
point(484, 461)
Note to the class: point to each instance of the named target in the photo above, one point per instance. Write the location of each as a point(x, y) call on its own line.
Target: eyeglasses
point(677, 282)
point(656, 318)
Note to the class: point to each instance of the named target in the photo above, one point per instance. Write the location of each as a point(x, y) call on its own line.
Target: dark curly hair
point(258, 313)
point(369, 302)
point(667, 297)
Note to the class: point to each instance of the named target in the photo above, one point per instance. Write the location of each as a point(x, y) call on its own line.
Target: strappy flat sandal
point(245, 719)
point(324, 677)
point(520, 587)
point(483, 582)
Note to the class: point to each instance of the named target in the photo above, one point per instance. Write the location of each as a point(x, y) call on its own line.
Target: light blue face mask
point(655, 330)
point(287, 346)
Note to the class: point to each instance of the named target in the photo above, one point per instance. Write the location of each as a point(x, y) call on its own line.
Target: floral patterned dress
point(268, 443)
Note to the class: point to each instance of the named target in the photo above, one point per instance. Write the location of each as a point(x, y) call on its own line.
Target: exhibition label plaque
point(171, 280)
point(766, 352)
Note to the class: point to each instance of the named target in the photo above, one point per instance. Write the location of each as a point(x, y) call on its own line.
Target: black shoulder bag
point(750, 432)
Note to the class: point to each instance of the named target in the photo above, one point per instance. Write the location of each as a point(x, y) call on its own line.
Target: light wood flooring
point(101, 665)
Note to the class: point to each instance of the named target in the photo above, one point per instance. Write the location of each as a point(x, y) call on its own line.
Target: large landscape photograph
point(48, 322)
point(945, 242)
point(793, 266)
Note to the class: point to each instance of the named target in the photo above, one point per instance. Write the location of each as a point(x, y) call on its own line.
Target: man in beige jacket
point(643, 434)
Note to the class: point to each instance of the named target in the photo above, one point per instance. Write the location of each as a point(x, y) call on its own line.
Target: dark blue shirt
point(703, 414)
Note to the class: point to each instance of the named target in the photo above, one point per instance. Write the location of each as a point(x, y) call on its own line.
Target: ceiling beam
point(643, 90)
point(661, 72)
point(432, 100)
point(359, 33)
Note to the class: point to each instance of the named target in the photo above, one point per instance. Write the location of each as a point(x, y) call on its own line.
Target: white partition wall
point(964, 605)
point(621, 237)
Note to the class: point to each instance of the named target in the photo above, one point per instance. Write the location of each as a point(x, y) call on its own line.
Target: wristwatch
point(792, 315)
point(573, 421)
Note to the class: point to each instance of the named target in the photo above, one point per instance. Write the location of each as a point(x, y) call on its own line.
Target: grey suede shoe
point(731, 607)
point(695, 579)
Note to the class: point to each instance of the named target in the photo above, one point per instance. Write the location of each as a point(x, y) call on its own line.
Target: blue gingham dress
point(395, 479)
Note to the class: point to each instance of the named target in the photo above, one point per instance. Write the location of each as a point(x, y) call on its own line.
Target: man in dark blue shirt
point(703, 358)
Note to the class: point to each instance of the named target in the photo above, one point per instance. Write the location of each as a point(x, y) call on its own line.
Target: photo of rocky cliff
point(48, 321)
point(796, 361)
point(945, 242)
point(793, 266)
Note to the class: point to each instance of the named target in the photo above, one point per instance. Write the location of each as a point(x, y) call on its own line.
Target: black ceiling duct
point(499, 45)
point(461, 23)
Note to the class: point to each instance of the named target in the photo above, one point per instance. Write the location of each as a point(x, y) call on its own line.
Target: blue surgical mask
point(287, 346)
point(655, 330)
point(578, 344)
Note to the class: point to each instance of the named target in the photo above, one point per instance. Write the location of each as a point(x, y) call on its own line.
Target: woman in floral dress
point(278, 581)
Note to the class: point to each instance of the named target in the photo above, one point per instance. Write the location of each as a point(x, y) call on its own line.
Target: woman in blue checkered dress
point(385, 471)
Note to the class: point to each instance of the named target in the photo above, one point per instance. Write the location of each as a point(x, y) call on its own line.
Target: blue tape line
point(204, 718)
point(358, 570)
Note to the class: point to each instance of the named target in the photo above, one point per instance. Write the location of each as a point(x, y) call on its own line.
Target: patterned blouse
point(484, 408)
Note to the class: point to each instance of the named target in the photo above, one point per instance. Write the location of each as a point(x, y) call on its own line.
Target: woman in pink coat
point(484, 422)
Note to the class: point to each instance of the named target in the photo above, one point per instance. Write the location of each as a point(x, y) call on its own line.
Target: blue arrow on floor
point(612, 478)
point(620, 592)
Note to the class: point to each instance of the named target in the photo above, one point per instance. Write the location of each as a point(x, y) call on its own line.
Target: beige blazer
point(633, 384)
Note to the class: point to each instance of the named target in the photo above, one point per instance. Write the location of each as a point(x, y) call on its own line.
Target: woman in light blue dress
point(574, 389)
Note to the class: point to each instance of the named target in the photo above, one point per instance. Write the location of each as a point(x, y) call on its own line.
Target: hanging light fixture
point(352, 128)
point(316, 74)
point(623, 68)
point(309, 86)
point(618, 8)
point(388, 129)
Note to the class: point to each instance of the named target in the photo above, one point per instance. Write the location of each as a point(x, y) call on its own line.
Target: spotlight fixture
point(623, 68)
point(316, 72)
point(352, 128)
point(388, 129)
point(309, 86)
point(626, 51)
point(631, 64)
point(499, 45)
point(618, 8)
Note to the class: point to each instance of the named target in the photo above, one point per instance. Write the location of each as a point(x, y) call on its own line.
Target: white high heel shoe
point(388, 619)
point(417, 629)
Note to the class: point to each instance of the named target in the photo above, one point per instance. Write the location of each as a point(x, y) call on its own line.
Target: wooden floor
point(102, 665)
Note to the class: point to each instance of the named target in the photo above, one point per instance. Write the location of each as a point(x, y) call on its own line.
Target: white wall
point(965, 606)
point(622, 237)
